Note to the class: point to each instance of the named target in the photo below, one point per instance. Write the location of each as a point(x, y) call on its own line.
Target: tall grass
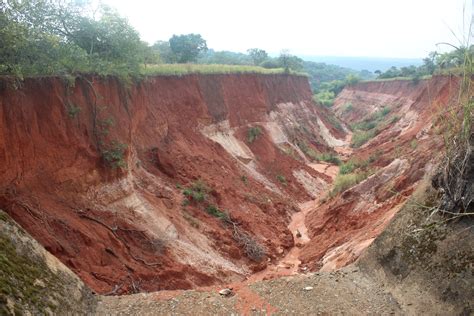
point(425, 77)
point(185, 69)
point(359, 137)
point(346, 181)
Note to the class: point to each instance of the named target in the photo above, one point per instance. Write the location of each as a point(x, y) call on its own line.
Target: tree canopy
point(40, 37)
point(258, 55)
point(186, 48)
point(434, 62)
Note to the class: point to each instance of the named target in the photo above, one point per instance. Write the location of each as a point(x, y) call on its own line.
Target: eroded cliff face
point(406, 147)
point(96, 171)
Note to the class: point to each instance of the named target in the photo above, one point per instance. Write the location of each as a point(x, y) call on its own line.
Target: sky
point(373, 28)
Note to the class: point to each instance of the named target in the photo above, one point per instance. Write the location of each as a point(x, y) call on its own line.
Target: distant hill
point(369, 63)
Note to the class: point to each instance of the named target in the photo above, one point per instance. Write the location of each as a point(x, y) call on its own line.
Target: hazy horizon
point(341, 28)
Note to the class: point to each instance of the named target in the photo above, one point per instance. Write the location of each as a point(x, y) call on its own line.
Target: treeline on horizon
point(53, 37)
point(50, 37)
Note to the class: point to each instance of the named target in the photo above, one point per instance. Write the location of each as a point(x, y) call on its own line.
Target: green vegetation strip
point(184, 69)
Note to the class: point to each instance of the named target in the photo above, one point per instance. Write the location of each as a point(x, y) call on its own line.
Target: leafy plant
point(187, 47)
point(73, 110)
point(282, 179)
point(328, 157)
point(114, 155)
point(59, 38)
point(216, 212)
point(347, 167)
point(359, 138)
point(348, 107)
point(325, 98)
point(197, 191)
point(253, 133)
point(395, 119)
point(304, 148)
point(105, 125)
point(346, 181)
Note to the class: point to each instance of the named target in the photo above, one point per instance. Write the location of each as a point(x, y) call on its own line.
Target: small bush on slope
point(346, 181)
point(253, 133)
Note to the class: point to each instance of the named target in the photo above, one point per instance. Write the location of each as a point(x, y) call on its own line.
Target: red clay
point(126, 231)
point(345, 225)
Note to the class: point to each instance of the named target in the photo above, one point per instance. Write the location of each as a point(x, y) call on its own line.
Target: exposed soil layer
point(95, 171)
point(405, 147)
point(185, 182)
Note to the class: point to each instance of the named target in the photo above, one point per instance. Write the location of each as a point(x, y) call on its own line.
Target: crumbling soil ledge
point(425, 261)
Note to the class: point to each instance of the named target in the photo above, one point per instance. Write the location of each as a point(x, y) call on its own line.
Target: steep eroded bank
point(397, 121)
point(96, 171)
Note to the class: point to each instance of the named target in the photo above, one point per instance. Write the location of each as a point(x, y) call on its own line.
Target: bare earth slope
point(201, 181)
point(405, 147)
point(95, 171)
point(420, 264)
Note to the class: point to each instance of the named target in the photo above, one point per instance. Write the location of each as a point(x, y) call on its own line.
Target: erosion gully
point(290, 263)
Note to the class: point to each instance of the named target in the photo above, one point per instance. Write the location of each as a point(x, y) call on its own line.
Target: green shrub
point(347, 167)
point(414, 144)
point(334, 122)
point(216, 212)
point(329, 157)
point(359, 138)
point(282, 179)
point(308, 151)
point(73, 110)
point(325, 98)
point(372, 158)
point(114, 155)
point(354, 164)
point(382, 112)
point(365, 125)
point(290, 152)
point(244, 179)
point(395, 119)
point(197, 191)
point(347, 107)
point(346, 181)
point(253, 133)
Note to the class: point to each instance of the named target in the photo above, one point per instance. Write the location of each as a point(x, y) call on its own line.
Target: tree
point(271, 63)
point(41, 37)
point(111, 42)
point(429, 65)
point(164, 50)
point(224, 57)
point(289, 62)
point(258, 55)
point(352, 79)
point(186, 48)
point(149, 54)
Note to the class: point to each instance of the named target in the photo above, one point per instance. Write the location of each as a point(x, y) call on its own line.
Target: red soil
point(345, 225)
point(126, 231)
